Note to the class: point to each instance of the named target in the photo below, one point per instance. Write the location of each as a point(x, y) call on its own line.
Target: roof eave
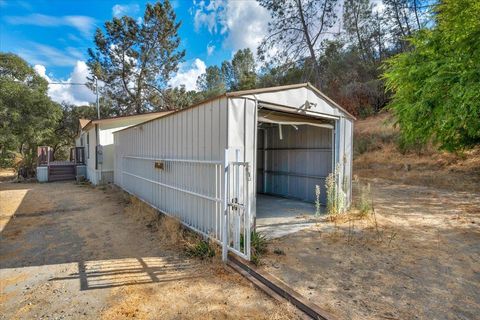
point(291, 86)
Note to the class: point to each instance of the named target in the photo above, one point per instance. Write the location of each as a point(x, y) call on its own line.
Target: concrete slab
point(277, 217)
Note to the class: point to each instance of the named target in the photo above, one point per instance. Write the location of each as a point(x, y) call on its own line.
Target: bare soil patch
point(76, 252)
point(422, 262)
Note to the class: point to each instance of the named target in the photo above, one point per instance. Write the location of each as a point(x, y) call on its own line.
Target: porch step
point(61, 177)
point(53, 173)
point(61, 172)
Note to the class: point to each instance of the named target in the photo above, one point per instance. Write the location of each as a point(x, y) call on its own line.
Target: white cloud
point(243, 23)
point(207, 15)
point(83, 24)
point(378, 6)
point(74, 52)
point(210, 49)
point(65, 92)
point(74, 37)
point(38, 53)
point(188, 74)
point(242, 34)
point(120, 10)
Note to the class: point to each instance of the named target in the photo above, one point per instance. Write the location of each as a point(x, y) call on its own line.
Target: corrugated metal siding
point(241, 136)
point(298, 162)
point(344, 155)
point(348, 133)
point(191, 145)
point(90, 155)
point(260, 160)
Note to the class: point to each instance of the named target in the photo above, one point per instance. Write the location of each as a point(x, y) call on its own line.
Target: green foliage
point(258, 246)
point(136, 60)
point(296, 31)
point(177, 98)
point(27, 115)
point(211, 83)
point(66, 128)
point(436, 85)
point(243, 70)
point(239, 74)
point(201, 249)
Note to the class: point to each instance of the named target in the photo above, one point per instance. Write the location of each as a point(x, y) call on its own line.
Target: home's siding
point(92, 174)
point(103, 173)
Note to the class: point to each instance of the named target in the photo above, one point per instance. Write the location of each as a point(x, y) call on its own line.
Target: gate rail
point(237, 210)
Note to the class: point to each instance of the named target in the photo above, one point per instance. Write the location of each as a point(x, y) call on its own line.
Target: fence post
point(225, 209)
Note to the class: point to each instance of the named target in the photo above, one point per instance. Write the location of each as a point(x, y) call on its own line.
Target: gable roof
point(147, 116)
point(307, 85)
point(86, 124)
point(83, 122)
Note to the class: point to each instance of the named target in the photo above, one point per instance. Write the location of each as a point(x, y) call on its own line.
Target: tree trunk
point(309, 42)
point(416, 13)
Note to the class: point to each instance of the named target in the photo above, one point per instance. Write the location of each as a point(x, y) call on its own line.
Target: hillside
point(377, 155)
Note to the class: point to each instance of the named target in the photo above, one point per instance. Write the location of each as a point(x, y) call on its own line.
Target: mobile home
point(212, 164)
point(96, 139)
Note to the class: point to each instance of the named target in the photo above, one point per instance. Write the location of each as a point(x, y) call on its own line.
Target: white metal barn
point(206, 164)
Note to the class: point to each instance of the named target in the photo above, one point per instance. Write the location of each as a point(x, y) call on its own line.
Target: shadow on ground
point(68, 227)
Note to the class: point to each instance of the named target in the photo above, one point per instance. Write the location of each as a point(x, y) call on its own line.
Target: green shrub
point(365, 112)
point(201, 249)
point(258, 246)
point(366, 143)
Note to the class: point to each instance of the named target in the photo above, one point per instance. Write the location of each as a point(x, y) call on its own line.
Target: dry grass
point(167, 229)
point(171, 233)
point(7, 174)
point(377, 155)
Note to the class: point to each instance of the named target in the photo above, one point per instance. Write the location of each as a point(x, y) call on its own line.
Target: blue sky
point(54, 35)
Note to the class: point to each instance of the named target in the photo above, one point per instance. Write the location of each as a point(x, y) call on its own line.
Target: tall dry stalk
point(335, 195)
point(317, 200)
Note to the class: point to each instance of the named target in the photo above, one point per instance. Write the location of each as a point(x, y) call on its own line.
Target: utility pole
point(98, 101)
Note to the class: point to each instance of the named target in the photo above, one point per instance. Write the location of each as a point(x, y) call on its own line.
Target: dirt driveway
point(70, 251)
point(422, 262)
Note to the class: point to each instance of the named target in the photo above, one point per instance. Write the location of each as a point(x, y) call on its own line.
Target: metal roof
point(149, 115)
point(287, 87)
point(241, 93)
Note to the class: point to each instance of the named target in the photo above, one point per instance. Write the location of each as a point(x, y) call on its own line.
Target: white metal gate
point(237, 211)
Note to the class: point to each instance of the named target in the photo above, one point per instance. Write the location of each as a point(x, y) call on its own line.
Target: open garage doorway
point(294, 156)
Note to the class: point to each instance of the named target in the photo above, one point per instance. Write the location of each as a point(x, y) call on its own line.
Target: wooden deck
point(60, 170)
